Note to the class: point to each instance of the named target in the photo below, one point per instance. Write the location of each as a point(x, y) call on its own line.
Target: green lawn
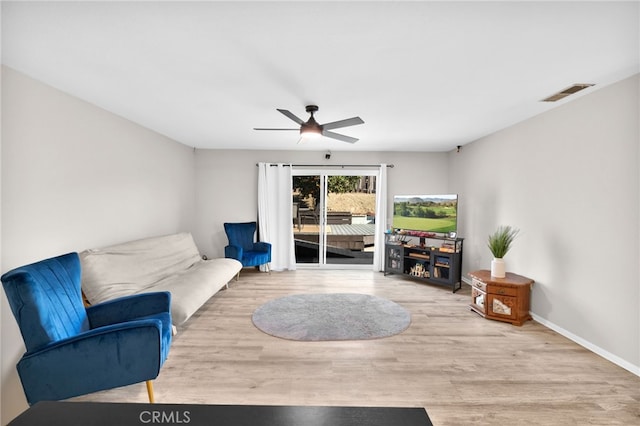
point(418, 223)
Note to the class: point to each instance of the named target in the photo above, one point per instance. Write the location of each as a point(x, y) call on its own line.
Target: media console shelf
point(437, 263)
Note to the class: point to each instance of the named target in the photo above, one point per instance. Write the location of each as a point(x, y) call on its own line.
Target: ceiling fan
point(311, 128)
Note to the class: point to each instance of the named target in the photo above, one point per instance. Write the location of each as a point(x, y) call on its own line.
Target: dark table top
point(117, 414)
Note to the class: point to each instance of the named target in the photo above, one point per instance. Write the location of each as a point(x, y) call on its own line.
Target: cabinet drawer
point(503, 291)
point(501, 306)
point(478, 284)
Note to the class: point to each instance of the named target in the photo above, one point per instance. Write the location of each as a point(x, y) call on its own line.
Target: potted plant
point(499, 243)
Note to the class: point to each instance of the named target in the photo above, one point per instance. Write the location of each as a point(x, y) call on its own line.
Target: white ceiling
point(424, 76)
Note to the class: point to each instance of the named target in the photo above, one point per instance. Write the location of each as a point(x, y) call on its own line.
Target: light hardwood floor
point(463, 369)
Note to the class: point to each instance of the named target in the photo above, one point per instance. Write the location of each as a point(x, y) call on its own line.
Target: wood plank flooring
point(463, 369)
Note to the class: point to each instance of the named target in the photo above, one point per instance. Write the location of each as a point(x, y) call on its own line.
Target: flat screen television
point(421, 215)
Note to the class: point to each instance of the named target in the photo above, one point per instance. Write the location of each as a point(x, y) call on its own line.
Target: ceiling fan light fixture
point(311, 135)
point(310, 131)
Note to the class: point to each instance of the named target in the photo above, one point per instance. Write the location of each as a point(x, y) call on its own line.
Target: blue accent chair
point(74, 350)
point(242, 246)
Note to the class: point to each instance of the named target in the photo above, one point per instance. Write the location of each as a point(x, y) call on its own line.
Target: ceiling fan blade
point(291, 115)
point(263, 128)
point(343, 123)
point(339, 137)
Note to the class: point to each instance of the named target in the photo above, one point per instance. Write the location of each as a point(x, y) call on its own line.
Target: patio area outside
point(350, 229)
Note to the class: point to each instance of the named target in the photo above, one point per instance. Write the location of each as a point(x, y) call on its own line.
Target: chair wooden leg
point(150, 391)
point(238, 276)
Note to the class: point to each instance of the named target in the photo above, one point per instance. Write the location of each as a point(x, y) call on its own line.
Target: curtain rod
point(332, 165)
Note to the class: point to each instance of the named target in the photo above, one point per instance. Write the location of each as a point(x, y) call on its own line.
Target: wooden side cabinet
point(503, 299)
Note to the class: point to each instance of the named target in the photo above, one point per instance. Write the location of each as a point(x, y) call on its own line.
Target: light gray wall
point(569, 180)
point(73, 177)
point(227, 183)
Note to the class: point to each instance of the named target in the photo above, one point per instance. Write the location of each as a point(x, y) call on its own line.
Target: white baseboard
point(635, 369)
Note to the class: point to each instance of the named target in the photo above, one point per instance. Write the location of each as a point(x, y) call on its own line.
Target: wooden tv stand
point(503, 299)
point(427, 263)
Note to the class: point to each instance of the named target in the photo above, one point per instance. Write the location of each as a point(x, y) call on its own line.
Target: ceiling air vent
point(566, 92)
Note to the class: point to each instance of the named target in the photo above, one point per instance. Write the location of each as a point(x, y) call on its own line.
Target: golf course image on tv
point(426, 213)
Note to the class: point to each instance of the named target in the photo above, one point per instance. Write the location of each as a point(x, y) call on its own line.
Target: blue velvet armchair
point(73, 350)
point(243, 247)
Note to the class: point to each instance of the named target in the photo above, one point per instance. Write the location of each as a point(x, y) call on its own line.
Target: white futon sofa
point(167, 263)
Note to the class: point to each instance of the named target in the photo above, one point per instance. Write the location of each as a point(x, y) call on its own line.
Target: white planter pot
point(498, 268)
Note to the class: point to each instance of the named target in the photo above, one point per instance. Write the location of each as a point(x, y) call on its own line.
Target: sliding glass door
point(334, 217)
point(306, 207)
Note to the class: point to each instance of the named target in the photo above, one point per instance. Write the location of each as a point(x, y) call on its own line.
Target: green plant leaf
point(500, 241)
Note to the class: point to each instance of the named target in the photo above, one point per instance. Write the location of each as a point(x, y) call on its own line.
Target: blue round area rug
point(335, 316)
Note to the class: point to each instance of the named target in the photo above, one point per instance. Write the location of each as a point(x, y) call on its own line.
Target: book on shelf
point(443, 261)
point(448, 247)
point(419, 255)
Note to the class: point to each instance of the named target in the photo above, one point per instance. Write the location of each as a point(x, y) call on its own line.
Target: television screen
point(426, 213)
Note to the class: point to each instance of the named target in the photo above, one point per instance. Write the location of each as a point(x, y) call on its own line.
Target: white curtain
point(275, 216)
point(381, 219)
